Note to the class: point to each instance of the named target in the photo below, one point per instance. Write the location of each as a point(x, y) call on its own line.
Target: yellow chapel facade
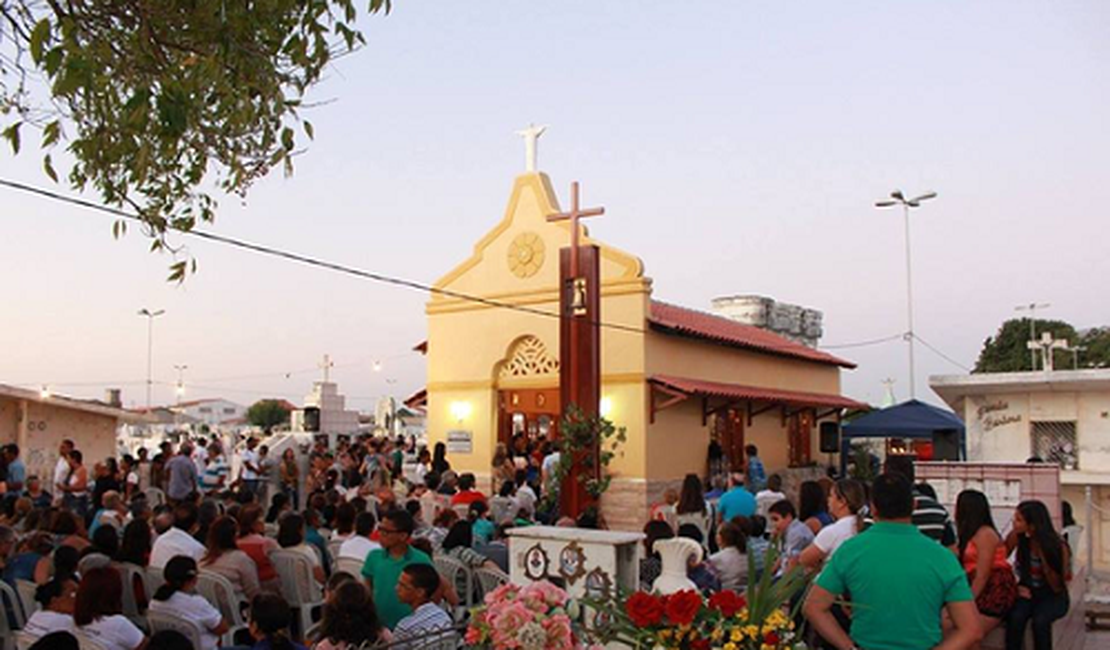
point(674, 378)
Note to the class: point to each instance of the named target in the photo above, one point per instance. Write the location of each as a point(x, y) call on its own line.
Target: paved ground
point(1098, 640)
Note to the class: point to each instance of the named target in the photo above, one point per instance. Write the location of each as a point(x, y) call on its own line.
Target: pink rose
point(504, 592)
point(508, 619)
point(558, 630)
point(546, 592)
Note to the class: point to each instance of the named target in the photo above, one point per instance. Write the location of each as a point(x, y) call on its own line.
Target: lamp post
point(898, 198)
point(150, 316)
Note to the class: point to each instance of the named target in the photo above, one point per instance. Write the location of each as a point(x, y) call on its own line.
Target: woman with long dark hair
point(439, 459)
point(983, 556)
point(652, 563)
point(223, 556)
point(99, 611)
point(1043, 575)
point(691, 508)
point(349, 619)
point(270, 620)
point(279, 505)
point(813, 506)
point(178, 597)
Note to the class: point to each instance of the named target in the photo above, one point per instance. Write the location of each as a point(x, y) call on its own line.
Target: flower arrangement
point(538, 616)
point(758, 619)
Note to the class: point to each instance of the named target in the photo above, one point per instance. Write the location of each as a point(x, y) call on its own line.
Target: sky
point(738, 148)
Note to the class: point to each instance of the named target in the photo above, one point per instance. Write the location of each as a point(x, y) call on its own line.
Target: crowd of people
point(369, 518)
point(915, 578)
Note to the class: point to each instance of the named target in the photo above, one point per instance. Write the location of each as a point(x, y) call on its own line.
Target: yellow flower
point(717, 634)
point(751, 630)
point(730, 646)
point(737, 635)
point(664, 634)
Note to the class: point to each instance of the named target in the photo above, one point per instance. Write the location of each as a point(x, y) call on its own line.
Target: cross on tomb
point(326, 365)
point(1047, 346)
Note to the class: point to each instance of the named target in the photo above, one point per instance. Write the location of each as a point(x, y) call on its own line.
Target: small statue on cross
point(531, 136)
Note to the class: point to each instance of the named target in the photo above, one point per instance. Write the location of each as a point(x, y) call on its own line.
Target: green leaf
point(54, 60)
point(309, 131)
point(287, 138)
point(48, 167)
point(11, 134)
point(119, 228)
point(51, 132)
point(39, 35)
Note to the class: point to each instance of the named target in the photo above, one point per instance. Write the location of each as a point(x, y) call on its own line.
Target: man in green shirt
point(383, 567)
point(898, 582)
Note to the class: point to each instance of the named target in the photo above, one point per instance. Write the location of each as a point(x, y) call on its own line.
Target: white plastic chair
point(349, 565)
point(295, 573)
point(155, 497)
point(459, 575)
point(333, 549)
point(128, 572)
point(24, 640)
point(219, 591)
point(154, 579)
point(487, 580)
point(11, 600)
point(26, 590)
point(160, 621)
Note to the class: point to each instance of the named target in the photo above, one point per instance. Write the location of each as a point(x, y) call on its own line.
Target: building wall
point(47, 425)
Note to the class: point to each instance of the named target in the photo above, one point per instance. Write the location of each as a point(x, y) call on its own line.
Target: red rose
point(644, 609)
point(682, 607)
point(699, 644)
point(771, 638)
point(727, 602)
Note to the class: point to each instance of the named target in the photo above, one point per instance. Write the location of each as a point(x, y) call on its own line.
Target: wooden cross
point(574, 215)
point(326, 365)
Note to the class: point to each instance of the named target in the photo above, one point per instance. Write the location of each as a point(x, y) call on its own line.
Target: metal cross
point(574, 215)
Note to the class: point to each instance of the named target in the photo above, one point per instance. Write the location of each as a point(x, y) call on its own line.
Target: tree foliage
point(160, 100)
point(267, 414)
point(1006, 351)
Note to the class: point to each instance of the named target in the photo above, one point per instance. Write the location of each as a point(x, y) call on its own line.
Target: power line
point(861, 344)
point(369, 275)
point(941, 354)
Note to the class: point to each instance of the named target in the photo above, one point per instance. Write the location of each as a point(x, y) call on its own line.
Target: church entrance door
point(533, 412)
point(729, 426)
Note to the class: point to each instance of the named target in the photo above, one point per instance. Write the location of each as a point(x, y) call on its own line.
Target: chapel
point(675, 378)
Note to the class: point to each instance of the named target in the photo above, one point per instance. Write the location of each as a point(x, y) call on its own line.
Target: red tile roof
point(689, 322)
point(755, 393)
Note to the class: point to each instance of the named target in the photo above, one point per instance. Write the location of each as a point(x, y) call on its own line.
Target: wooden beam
point(674, 397)
point(824, 414)
point(754, 412)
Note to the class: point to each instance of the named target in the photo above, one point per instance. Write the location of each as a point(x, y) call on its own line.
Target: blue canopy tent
point(912, 419)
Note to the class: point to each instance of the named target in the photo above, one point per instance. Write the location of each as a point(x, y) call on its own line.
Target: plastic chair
point(155, 497)
point(295, 573)
point(333, 549)
point(24, 640)
point(128, 572)
point(349, 565)
point(160, 621)
point(13, 603)
point(459, 575)
point(154, 579)
point(219, 591)
point(26, 590)
point(462, 510)
point(487, 580)
point(447, 638)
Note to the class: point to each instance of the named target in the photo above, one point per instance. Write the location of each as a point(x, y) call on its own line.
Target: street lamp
point(898, 198)
point(150, 316)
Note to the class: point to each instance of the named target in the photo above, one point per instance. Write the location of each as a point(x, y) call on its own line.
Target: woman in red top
point(983, 556)
point(257, 546)
point(467, 494)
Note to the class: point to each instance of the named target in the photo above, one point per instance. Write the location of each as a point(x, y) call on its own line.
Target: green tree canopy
point(160, 100)
point(268, 413)
point(1007, 351)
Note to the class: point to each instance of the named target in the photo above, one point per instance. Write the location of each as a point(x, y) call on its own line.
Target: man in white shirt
point(768, 497)
point(178, 540)
point(359, 545)
point(248, 466)
point(525, 496)
point(416, 588)
point(61, 470)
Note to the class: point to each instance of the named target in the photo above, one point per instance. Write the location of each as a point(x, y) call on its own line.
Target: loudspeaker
point(830, 437)
point(311, 418)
